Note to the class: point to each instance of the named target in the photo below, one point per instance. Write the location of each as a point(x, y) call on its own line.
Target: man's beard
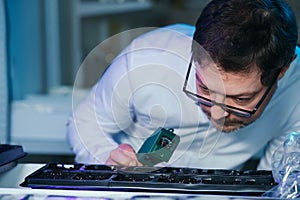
point(226, 122)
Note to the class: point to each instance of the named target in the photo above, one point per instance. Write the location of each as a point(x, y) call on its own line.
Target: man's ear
point(284, 69)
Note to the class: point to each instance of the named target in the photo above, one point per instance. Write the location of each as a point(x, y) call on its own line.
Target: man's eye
point(242, 100)
point(204, 89)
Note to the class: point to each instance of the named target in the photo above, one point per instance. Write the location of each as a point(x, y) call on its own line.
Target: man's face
point(240, 90)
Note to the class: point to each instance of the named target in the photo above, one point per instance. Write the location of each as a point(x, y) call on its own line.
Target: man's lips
point(222, 121)
point(225, 122)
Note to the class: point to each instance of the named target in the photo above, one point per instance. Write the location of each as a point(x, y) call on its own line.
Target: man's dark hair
point(240, 34)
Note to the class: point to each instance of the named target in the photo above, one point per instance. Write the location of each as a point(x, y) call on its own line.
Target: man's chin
point(230, 129)
point(227, 128)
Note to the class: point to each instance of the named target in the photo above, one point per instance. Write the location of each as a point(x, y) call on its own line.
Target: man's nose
point(218, 110)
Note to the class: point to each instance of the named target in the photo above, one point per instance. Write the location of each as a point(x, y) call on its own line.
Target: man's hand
point(124, 155)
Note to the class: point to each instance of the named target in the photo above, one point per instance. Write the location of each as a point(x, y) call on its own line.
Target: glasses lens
point(204, 102)
point(238, 112)
point(235, 111)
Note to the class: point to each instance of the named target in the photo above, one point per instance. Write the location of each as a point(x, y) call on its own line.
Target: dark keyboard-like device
point(9, 156)
point(166, 179)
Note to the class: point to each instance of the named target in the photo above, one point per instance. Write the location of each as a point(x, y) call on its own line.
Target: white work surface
point(10, 189)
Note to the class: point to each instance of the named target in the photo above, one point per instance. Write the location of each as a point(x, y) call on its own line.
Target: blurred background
point(44, 42)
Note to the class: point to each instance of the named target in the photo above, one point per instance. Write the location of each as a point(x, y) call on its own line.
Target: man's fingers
point(109, 161)
point(124, 155)
point(126, 147)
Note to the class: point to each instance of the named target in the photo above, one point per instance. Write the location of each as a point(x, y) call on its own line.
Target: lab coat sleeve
point(104, 112)
point(117, 103)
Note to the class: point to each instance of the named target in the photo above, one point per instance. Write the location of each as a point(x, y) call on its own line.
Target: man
point(228, 88)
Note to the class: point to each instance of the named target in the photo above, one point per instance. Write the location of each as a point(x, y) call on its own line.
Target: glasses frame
point(226, 108)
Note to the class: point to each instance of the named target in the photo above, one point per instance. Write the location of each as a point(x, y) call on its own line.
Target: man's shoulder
point(291, 76)
point(176, 38)
point(167, 33)
point(297, 51)
point(184, 29)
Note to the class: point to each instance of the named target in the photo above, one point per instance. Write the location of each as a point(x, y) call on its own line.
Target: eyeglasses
point(227, 108)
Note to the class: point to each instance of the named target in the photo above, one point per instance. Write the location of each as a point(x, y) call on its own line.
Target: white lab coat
point(142, 90)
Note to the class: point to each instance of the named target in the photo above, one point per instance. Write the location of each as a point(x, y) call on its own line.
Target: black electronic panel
point(9, 156)
point(152, 179)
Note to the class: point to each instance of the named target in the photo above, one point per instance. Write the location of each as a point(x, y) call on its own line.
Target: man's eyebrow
point(250, 94)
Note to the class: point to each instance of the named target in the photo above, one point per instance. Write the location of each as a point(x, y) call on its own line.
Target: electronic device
point(159, 147)
point(9, 156)
point(150, 179)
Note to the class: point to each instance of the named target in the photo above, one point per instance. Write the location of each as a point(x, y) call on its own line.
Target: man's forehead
point(224, 82)
point(213, 70)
